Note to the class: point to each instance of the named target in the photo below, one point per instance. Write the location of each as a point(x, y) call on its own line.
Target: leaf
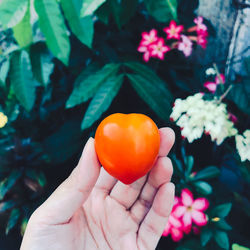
point(162, 10)
point(189, 161)
point(151, 94)
point(203, 187)
point(4, 70)
point(53, 27)
point(206, 235)
point(6, 205)
point(222, 210)
point(24, 224)
point(89, 6)
point(88, 82)
point(122, 10)
point(240, 93)
point(102, 100)
point(42, 64)
point(37, 176)
point(222, 224)
point(13, 219)
point(9, 182)
point(238, 247)
point(83, 28)
point(104, 12)
point(209, 172)
point(22, 80)
point(222, 239)
point(64, 143)
point(12, 12)
point(23, 30)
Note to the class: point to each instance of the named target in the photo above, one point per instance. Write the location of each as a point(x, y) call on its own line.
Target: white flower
point(210, 71)
point(243, 145)
point(196, 116)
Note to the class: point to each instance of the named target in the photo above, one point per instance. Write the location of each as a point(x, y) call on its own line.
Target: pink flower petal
point(211, 86)
point(220, 79)
point(187, 219)
point(179, 211)
point(176, 234)
point(199, 218)
point(187, 229)
point(166, 231)
point(174, 222)
point(186, 197)
point(200, 204)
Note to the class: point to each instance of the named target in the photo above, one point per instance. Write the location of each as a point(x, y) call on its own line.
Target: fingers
point(155, 221)
point(159, 175)
point(105, 182)
point(167, 140)
point(126, 195)
point(72, 193)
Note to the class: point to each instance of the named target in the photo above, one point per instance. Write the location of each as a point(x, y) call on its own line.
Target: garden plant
point(65, 65)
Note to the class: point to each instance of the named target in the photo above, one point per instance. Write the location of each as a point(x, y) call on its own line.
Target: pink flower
point(185, 45)
point(220, 79)
point(202, 41)
point(144, 49)
point(233, 118)
point(201, 27)
point(159, 49)
point(174, 228)
point(149, 38)
point(191, 210)
point(173, 31)
point(211, 86)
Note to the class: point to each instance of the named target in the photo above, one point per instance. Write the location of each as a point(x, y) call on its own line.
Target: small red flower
point(149, 38)
point(202, 41)
point(159, 49)
point(201, 27)
point(220, 79)
point(212, 86)
point(174, 30)
point(144, 49)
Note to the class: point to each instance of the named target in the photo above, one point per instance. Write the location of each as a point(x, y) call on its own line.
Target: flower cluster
point(3, 120)
point(186, 214)
point(152, 45)
point(196, 116)
point(243, 145)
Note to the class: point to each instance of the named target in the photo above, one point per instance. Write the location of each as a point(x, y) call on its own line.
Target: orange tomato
point(127, 145)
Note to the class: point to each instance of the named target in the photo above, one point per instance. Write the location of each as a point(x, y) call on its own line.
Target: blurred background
point(67, 64)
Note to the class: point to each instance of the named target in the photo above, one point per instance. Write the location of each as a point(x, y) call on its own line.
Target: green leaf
point(12, 12)
point(37, 176)
point(122, 10)
point(104, 12)
point(189, 161)
point(13, 219)
point(83, 28)
point(24, 224)
point(52, 25)
point(6, 205)
point(209, 172)
point(203, 187)
point(162, 10)
point(9, 182)
point(151, 94)
point(42, 64)
point(23, 31)
point(4, 70)
point(222, 210)
point(102, 100)
point(22, 80)
point(206, 235)
point(89, 6)
point(222, 224)
point(238, 247)
point(88, 82)
point(222, 239)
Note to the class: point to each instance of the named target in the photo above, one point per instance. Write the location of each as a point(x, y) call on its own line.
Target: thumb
point(74, 191)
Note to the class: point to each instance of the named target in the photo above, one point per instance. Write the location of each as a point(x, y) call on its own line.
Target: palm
point(104, 213)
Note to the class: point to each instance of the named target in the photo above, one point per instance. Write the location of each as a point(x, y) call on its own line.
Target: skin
point(92, 210)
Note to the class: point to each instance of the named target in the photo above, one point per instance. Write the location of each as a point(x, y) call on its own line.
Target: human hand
point(92, 210)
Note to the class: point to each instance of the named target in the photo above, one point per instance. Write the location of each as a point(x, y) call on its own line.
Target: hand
point(92, 210)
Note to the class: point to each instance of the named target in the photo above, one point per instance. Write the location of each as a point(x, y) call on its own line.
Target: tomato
point(127, 145)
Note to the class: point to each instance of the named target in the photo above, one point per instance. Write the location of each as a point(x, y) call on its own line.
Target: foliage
point(64, 65)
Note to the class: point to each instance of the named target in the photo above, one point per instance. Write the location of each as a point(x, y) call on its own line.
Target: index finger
point(167, 136)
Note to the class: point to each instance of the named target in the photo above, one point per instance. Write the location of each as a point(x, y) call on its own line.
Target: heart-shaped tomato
point(127, 145)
